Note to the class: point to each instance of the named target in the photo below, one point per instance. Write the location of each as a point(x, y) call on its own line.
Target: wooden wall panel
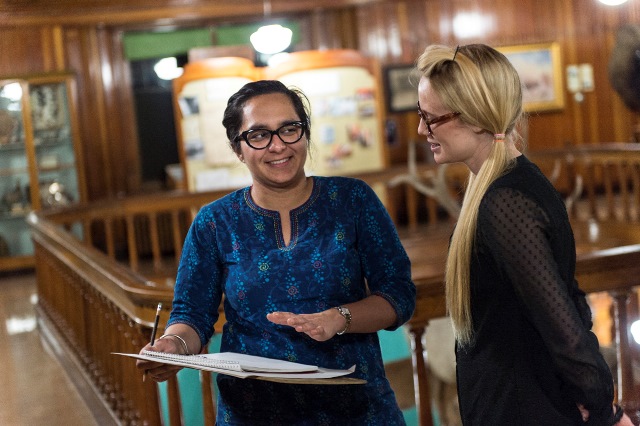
point(329, 29)
point(84, 36)
point(106, 115)
point(585, 30)
point(21, 50)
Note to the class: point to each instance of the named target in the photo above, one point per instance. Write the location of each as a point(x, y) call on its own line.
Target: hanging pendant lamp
point(270, 39)
point(612, 2)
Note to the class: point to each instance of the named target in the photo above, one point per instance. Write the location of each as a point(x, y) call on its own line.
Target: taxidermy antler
point(433, 185)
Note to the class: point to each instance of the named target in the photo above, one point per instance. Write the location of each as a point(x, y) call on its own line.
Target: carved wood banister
point(98, 305)
point(625, 373)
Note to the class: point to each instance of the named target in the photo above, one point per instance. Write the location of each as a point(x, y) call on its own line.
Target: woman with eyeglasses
point(310, 269)
point(525, 353)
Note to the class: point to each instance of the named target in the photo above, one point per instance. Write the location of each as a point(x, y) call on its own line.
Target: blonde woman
point(525, 352)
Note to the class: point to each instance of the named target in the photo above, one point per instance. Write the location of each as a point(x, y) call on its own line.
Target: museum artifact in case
point(39, 150)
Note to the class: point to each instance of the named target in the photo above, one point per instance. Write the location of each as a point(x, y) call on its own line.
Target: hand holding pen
point(178, 338)
point(154, 331)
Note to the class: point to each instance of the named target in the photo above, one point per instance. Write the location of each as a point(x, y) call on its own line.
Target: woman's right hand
point(624, 421)
point(159, 372)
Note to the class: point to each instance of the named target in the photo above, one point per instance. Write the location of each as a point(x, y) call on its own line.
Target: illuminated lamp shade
point(168, 69)
point(612, 2)
point(635, 331)
point(271, 39)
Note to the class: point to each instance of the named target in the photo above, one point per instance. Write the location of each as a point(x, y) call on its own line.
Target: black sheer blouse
point(534, 355)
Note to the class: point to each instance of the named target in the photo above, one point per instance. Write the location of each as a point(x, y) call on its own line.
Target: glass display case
point(39, 148)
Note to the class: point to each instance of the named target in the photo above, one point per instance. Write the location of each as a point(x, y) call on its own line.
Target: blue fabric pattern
point(343, 247)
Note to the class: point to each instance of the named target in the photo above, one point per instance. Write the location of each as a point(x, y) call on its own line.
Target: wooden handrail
point(98, 305)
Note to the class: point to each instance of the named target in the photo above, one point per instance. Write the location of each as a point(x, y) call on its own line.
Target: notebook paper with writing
point(238, 362)
point(250, 366)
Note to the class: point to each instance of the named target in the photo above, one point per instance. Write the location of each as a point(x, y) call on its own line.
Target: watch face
point(344, 311)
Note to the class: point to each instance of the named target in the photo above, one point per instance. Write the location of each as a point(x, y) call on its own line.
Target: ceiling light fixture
point(168, 69)
point(612, 2)
point(271, 39)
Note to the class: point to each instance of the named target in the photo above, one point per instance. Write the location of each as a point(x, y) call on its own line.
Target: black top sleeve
point(521, 236)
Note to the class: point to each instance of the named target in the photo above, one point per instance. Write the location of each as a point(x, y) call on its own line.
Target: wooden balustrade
point(95, 304)
point(602, 182)
point(145, 232)
point(103, 267)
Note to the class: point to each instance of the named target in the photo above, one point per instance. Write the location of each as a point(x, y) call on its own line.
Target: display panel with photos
point(346, 109)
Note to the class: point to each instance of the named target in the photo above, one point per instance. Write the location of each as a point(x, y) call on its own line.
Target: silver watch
point(346, 313)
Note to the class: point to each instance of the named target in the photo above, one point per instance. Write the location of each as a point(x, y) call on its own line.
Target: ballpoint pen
point(153, 333)
point(155, 324)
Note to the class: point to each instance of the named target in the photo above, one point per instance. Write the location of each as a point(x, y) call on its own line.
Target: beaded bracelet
point(182, 342)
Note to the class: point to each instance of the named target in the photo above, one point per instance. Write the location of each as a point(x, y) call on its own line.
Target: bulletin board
point(346, 125)
point(200, 98)
point(343, 88)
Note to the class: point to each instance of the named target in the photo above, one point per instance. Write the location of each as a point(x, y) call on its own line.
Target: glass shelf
point(13, 172)
point(12, 147)
point(13, 215)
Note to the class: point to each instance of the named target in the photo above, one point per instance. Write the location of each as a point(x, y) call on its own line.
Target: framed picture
point(401, 91)
point(540, 70)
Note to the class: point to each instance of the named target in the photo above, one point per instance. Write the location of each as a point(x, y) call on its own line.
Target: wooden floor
point(35, 389)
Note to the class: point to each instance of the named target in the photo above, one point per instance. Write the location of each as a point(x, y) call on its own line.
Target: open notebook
point(250, 366)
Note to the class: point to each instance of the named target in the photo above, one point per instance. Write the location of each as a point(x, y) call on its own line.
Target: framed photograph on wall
point(540, 70)
point(401, 90)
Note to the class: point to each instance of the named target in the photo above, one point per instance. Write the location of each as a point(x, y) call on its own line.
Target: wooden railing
point(601, 181)
point(93, 303)
point(103, 267)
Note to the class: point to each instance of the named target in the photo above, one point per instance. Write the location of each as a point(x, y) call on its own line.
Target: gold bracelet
point(182, 342)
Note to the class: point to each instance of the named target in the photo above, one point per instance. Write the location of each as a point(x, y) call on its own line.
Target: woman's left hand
point(321, 326)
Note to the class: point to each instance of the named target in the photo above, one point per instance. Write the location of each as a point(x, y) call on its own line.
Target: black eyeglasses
point(261, 138)
point(440, 119)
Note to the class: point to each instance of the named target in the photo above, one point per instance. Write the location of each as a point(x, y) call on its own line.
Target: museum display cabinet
point(39, 157)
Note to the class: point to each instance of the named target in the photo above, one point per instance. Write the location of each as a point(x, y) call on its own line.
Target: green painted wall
point(239, 34)
point(147, 45)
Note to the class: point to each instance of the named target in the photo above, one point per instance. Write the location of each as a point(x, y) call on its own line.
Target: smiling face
point(280, 165)
point(452, 141)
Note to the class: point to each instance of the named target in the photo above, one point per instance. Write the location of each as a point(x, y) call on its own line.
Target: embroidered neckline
point(294, 213)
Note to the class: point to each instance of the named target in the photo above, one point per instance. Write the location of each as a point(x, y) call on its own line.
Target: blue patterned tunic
point(343, 247)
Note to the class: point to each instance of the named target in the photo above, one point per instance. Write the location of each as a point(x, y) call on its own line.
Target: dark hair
point(232, 119)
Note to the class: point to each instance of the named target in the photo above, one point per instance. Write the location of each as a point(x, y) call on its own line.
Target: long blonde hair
point(481, 84)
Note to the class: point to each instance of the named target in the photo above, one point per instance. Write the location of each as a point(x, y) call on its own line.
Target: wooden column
point(420, 381)
point(627, 397)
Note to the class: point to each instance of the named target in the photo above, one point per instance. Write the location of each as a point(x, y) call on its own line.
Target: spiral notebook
point(250, 366)
point(236, 362)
